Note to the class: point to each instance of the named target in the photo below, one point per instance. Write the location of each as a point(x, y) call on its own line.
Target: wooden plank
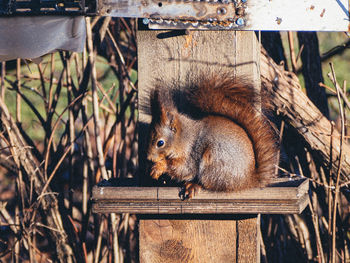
point(165, 200)
point(172, 57)
point(234, 207)
point(249, 250)
point(283, 190)
point(194, 241)
point(172, 193)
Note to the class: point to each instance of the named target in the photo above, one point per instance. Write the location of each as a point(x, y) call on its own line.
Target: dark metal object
point(46, 7)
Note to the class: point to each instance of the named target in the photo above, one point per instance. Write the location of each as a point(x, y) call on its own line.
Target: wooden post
point(170, 56)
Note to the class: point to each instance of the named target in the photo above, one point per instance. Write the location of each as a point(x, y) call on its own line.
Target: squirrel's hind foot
point(189, 190)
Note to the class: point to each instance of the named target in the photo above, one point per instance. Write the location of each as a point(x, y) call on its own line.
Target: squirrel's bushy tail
point(237, 100)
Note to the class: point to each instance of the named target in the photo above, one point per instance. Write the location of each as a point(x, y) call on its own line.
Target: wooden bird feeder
point(212, 227)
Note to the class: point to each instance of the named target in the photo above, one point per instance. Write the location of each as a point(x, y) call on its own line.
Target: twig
point(52, 71)
point(335, 51)
point(85, 252)
point(42, 80)
point(71, 133)
point(343, 96)
point(53, 132)
point(105, 95)
point(299, 53)
point(328, 88)
point(330, 53)
point(104, 27)
point(336, 197)
point(294, 175)
point(99, 241)
point(121, 58)
point(291, 50)
point(31, 106)
point(115, 243)
point(18, 87)
point(2, 79)
point(59, 162)
point(17, 245)
point(7, 217)
point(100, 158)
point(315, 224)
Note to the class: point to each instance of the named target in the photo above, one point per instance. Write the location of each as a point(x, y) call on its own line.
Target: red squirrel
point(221, 142)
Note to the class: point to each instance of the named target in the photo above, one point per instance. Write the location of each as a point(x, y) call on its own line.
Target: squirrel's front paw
point(158, 169)
point(189, 190)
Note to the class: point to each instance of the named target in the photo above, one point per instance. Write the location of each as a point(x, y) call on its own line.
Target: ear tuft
point(174, 121)
point(163, 110)
point(157, 108)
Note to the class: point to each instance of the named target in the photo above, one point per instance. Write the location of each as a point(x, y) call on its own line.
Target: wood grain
point(284, 189)
point(177, 241)
point(283, 198)
point(172, 57)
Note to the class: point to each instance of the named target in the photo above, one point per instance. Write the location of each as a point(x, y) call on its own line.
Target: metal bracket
point(308, 15)
point(180, 14)
point(46, 7)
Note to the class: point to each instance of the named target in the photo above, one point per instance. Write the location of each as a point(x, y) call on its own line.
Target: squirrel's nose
point(151, 157)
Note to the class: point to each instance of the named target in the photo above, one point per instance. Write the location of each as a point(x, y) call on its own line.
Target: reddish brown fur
point(237, 99)
point(206, 157)
point(227, 102)
point(160, 166)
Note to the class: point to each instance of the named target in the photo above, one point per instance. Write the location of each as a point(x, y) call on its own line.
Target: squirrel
point(221, 142)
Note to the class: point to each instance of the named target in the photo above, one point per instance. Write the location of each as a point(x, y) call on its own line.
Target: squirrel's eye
point(160, 143)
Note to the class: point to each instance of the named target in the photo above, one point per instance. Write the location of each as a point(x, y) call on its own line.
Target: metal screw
point(145, 21)
point(240, 21)
point(221, 11)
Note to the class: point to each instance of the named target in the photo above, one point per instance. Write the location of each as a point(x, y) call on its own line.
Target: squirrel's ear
point(164, 112)
point(173, 121)
point(156, 107)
